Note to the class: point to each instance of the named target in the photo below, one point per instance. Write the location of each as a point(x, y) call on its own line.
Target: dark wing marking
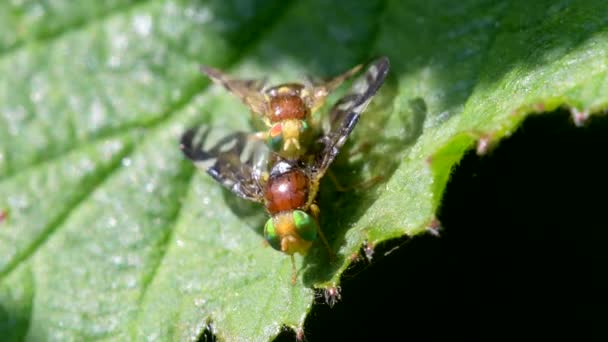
point(346, 112)
point(223, 161)
point(249, 91)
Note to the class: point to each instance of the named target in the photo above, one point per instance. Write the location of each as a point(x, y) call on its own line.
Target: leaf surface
point(108, 233)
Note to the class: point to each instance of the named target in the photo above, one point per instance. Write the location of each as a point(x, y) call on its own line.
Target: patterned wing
point(346, 112)
point(315, 98)
point(249, 91)
point(235, 161)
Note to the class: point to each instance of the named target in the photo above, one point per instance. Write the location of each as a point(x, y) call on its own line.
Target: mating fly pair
point(283, 166)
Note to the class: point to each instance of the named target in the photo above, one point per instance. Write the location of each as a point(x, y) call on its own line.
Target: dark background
point(523, 249)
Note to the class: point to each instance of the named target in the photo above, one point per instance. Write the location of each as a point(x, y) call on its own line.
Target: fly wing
point(319, 90)
point(249, 91)
point(346, 112)
point(236, 161)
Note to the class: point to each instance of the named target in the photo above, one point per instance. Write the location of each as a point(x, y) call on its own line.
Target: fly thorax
point(285, 106)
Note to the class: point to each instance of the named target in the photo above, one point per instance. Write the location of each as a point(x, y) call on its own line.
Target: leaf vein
point(75, 26)
point(55, 224)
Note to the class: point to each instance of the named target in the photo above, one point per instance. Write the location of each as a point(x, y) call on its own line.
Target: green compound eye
point(271, 236)
point(275, 143)
point(275, 138)
point(306, 226)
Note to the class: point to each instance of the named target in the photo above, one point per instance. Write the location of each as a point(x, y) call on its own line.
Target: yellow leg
point(315, 211)
point(294, 273)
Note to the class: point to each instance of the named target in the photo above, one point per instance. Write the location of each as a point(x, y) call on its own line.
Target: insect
point(286, 109)
point(287, 187)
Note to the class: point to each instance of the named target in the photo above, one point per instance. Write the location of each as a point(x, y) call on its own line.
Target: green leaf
point(108, 233)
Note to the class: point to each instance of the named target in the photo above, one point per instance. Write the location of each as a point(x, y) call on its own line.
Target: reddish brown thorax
point(287, 191)
point(287, 106)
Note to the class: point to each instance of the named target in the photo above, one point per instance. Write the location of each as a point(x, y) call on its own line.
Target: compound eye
point(304, 126)
point(306, 226)
point(275, 138)
point(270, 234)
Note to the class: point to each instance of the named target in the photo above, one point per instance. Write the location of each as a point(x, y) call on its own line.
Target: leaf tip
point(332, 295)
point(484, 144)
point(579, 116)
point(434, 227)
point(300, 337)
point(368, 250)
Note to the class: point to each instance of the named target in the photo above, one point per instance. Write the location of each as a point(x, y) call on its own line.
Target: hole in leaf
point(208, 334)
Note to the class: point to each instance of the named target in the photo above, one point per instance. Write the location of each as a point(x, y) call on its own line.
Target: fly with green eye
point(287, 187)
point(286, 109)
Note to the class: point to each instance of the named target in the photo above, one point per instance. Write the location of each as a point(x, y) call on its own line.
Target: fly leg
point(294, 272)
point(314, 209)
